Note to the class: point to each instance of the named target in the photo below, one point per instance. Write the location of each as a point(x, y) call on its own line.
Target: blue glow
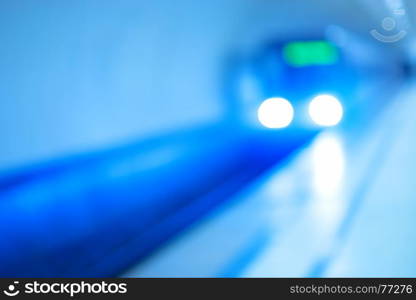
point(275, 113)
point(326, 110)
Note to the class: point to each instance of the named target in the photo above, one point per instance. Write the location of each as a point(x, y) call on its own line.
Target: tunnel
point(239, 138)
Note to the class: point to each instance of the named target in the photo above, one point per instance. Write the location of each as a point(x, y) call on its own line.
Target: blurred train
point(99, 212)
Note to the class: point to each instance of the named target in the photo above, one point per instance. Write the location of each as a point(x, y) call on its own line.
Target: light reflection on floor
point(328, 171)
point(310, 189)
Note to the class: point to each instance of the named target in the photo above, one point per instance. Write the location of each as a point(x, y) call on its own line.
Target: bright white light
point(328, 164)
point(275, 113)
point(325, 110)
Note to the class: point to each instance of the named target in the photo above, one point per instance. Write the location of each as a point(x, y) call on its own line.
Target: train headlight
point(326, 110)
point(275, 113)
